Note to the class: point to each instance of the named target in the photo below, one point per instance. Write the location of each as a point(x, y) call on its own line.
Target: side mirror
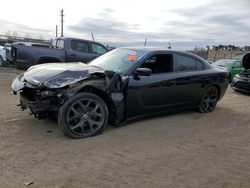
point(142, 72)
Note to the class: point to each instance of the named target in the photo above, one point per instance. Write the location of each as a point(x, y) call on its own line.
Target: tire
point(209, 100)
point(230, 77)
point(84, 115)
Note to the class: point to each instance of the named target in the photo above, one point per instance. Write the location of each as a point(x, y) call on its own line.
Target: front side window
point(161, 63)
point(60, 44)
point(185, 63)
point(98, 49)
point(79, 46)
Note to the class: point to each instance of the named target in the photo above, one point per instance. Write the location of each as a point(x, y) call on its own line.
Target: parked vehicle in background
point(2, 55)
point(232, 66)
point(241, 82)
point(62, 50)
point(9, 46)
point(120, 85)
point(238, 57)
point(210, 61)
point(8, 52)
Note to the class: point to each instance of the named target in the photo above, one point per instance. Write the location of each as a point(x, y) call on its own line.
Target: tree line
point(228, 47)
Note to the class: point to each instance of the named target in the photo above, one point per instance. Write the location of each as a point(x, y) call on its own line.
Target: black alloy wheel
point(84, 115)
point(209, 100)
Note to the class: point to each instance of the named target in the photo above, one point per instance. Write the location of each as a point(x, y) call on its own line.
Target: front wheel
point(84, 115)
point(209, 100)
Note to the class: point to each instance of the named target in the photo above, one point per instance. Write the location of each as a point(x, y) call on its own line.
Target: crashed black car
point(121, 85)
point(241, 82)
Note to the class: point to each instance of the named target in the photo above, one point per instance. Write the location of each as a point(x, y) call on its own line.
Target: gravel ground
point(186, 149)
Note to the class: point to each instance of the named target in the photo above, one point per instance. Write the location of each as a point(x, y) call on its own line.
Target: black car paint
point(127, 97)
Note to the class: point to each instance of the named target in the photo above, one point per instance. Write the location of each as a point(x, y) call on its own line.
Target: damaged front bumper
point(40, 100)
point(36, 106)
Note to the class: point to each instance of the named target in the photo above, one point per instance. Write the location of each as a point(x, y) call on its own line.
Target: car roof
point(72, 38)
point(147, 49)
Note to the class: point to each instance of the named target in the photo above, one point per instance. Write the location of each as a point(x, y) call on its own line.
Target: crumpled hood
point(54, 75)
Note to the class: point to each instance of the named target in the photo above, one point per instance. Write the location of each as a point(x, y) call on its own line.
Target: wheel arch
point(215, 85)
point(105, 97)
point(218, 88)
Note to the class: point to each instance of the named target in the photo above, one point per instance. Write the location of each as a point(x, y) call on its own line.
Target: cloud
point(218, 22)
point(185, 24)
point(215, 22)
point(23, 30)
point(112, 31)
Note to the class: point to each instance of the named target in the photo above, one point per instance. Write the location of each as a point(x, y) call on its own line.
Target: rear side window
point(185, 63)
point(98, 49)
point(80, 46)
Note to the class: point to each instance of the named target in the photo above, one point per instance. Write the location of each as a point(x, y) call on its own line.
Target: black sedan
point(121, 85)
point(241, 82)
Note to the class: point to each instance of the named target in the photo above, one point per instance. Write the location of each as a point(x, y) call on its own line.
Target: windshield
point(224, 63)
point(118, 60)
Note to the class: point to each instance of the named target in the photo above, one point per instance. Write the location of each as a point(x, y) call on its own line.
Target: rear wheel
point(209, 100)
point(84, 115)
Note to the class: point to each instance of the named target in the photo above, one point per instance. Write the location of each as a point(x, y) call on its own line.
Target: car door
point(80, 51)
point(154, 93)
point(191, 79)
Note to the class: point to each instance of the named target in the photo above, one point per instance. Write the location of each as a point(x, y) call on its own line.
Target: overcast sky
point(183, 23)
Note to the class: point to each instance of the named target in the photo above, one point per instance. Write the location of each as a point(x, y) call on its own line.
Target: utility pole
point(62, 22)
point(56, 31)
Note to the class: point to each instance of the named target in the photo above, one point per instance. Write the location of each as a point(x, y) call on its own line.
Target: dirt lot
point(187, 149)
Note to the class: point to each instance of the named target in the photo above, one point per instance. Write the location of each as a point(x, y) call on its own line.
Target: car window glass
point(237, 64)
point(185, 63)
point(161, 63)
point(224, 63)
point(118, 60)
point(60, 44)
point(199, 65)
point(80, 46)
point(96, 48)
